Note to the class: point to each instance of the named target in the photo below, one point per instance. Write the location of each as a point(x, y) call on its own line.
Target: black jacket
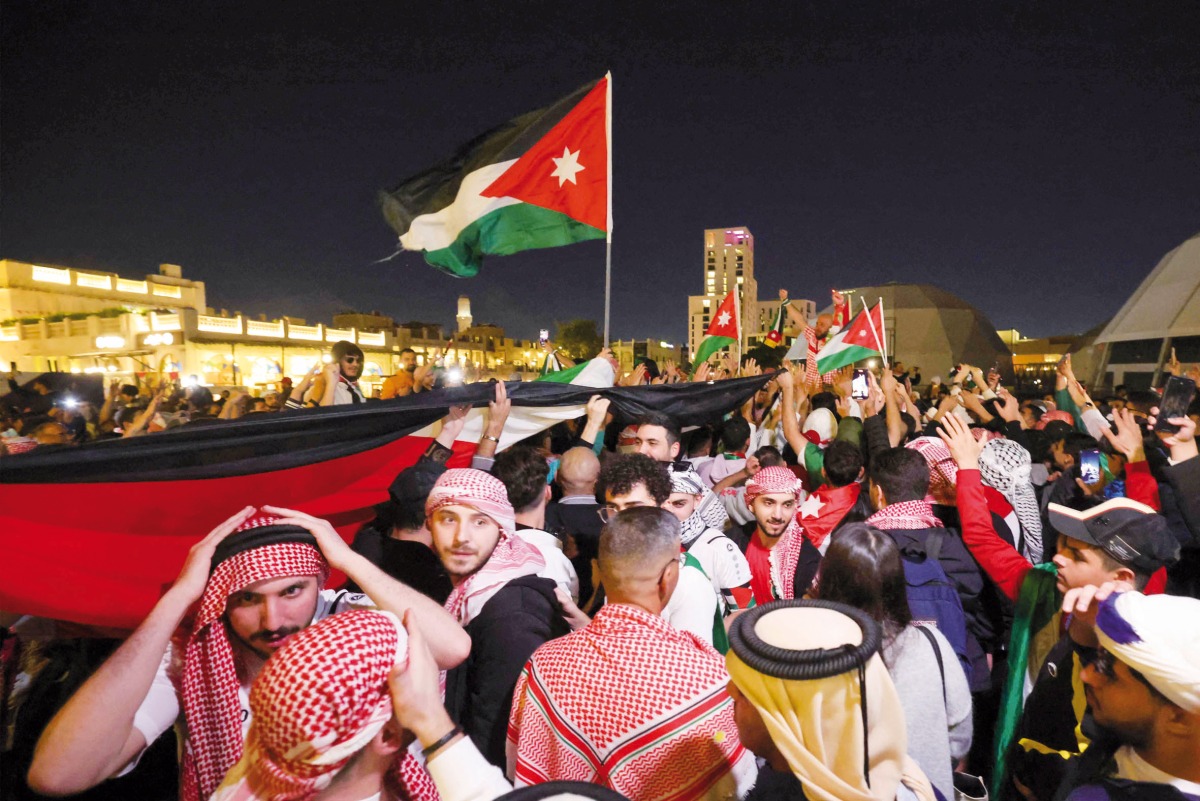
point(512, 624)
point(583, 524)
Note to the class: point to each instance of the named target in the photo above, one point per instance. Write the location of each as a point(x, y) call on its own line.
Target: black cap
point(1130, 532)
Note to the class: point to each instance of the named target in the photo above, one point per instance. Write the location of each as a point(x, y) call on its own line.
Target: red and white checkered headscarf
point(772, 480)
point(316, 704)
point(943, 470)
point(512, 556)
point(210, 682)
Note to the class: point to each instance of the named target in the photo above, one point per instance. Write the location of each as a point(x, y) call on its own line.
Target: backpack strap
point(933, 543)
point(937, 652)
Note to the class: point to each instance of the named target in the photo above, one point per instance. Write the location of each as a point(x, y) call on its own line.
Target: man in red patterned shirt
point(630, 702)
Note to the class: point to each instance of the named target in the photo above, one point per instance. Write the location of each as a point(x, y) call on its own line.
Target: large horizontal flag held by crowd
point(93, 534)
point(537, 181)
point(862, 339)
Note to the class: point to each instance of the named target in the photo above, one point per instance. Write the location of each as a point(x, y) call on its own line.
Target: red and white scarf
point(905, 516)
point(631, 703)
point(316, 704)
point(210, 681)
point(512, 556)
point(943, 470)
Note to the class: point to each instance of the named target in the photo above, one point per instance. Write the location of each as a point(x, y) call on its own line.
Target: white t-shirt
point(161, 709)
point(558, 567)
point(693, 605)
point(721, 559)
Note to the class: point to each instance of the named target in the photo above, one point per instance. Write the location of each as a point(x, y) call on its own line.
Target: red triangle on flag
point(725, 318)
point(567, 169)
point(860, 333)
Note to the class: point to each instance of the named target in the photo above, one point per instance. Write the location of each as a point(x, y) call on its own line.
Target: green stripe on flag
point(562, 376)
point(505, 231)
point(708, 347)
point(832, 357)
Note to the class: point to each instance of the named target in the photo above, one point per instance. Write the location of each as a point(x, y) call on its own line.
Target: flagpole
point(608, 233)
point(875, 333)
point(883, 325)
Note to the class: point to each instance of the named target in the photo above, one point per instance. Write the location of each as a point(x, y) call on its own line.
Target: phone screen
point(860, 385)
point(544, 336)
point(1177, 396)
point(1089, 466)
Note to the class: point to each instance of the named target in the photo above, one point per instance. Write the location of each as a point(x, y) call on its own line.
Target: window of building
point(1137, 351)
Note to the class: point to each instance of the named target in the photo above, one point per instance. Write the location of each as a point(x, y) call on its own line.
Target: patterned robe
point(632, 704)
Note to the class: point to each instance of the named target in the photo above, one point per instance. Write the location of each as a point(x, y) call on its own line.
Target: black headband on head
point(815, 663)
point(242, 541)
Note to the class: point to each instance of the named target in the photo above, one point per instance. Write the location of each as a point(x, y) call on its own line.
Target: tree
point(579, 339)
point(768, 358)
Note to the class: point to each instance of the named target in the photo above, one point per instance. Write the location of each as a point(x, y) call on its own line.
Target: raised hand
point(498, 410)
point(962, 443)
point(193, 578)
point(329, 542)
point(1128, 437)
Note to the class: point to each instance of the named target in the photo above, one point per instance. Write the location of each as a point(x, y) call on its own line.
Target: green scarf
point(1035, 630)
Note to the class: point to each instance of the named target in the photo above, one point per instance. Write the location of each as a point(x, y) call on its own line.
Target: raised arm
point(93, 737)
point(1001, 561)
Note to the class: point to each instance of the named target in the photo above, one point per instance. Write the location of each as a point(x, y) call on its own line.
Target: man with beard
point(782, 561)
point(501, 596)
point(401, 384)
point(257, 579)
point(1143, 690)
point(338, 383)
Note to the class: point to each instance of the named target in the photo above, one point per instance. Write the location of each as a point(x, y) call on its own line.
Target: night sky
point(1035, 158)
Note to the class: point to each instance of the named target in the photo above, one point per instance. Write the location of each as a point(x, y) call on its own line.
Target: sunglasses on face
point(351, 359)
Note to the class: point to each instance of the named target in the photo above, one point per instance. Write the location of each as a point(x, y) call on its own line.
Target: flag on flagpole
point(540, 180)
point(853, 343)
point(775, 335)
point(724, 330)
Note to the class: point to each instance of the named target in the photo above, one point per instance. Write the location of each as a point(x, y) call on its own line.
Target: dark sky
point(1036, 158)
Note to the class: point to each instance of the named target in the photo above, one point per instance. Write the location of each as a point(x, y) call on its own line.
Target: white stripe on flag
point(441, 228)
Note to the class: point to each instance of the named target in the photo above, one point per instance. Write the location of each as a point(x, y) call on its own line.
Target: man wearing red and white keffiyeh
point(629, 701)
point(782, 560)
point(501, 596)
point(255, 581)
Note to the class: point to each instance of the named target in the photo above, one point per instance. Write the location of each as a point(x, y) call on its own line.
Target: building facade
point(63, 319)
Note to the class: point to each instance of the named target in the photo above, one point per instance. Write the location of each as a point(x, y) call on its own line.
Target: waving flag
point(853, 343)
point(538, 181)
point(724, 330)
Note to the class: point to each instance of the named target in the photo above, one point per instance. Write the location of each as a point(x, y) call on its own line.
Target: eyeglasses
point(351, 359)
point(607, 513)
point(1105, 664)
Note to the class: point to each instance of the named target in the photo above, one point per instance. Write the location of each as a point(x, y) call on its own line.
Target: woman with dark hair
point(862, 568)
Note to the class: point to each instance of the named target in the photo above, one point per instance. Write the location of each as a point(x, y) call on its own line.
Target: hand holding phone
point(1177, 396)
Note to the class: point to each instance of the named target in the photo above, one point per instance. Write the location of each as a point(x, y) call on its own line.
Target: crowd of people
point(907, 593)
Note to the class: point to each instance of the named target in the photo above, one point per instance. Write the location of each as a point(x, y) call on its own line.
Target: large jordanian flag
point(537, 181)
point(92, 534)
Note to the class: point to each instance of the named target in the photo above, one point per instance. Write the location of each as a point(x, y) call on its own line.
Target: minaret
point(464, 313)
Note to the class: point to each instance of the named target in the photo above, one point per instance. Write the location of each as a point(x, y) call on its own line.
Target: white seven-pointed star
point(565, 168)
point(723, 318)
point(811, 507)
